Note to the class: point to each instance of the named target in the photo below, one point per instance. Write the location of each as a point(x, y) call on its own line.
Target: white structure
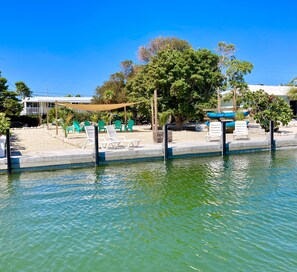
point(41, 104)
point(275, 90)
point(281, 91)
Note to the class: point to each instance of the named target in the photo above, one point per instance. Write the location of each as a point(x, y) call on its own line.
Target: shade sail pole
point(56, 110)
point(125, 108)
point(153, 117)
point(156, 109)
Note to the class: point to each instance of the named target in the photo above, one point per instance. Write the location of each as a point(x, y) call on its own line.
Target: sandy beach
point(31, 141)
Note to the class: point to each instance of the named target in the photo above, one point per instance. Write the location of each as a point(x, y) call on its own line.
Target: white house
point(41, 104)
point(281, 91)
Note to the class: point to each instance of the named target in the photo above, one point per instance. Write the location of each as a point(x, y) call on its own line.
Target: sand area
point(32, 141)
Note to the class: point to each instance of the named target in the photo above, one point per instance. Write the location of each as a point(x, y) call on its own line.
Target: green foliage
point(22, 89)
point(4, 123)
point(163, 117)
point(184, 80)
point(239, 116)
point(145, 53)
point(112, 91)
point(265, 108)
point(65, 118)
point(292, 94)
point(233, 71)
point(8, 100)
point(30, 120)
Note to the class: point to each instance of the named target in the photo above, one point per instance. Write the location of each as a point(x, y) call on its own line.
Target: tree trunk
point(179, 123)
point(234, 100)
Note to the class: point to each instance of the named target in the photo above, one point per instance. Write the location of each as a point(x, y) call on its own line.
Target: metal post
point(96, 146)
point(272, 141)
point(224, 149)
point(165, 141)
point(8, 157)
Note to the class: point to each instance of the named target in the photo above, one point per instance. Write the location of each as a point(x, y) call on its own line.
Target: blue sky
point(70, 47)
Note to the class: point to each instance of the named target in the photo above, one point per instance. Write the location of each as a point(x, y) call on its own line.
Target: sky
point(71, 47)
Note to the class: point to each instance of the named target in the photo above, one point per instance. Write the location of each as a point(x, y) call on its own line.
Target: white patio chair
point(90, 140)
point(240, 130)
point(121, 140)
point(214, 132)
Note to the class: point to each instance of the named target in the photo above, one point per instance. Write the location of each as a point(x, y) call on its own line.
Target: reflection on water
point(236, 213)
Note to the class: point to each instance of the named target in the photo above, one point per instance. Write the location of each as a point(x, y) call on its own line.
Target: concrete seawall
point(85, 158)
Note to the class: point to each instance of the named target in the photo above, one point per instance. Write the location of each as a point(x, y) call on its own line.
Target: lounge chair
point(78, 127)
point(118, 125)
point(240, 130)
point(122, 141)
point(129, 125)
point(101, 125)
point(214, 132)
point(2, 145)
point(90, 140)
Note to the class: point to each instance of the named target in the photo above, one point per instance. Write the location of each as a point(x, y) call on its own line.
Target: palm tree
point(292, 93)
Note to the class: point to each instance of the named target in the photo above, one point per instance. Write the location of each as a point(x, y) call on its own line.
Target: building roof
point(53, 99)
point(275, 90)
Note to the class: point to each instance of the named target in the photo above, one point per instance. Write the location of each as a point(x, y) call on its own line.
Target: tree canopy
point(8, 100)
point(266, 108)
point(112, 91)
point(22, 89)
point(233, 71)
point(292, 94)
point(184, 80)
point(146, 52)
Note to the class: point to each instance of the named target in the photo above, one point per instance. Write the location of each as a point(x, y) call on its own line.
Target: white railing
point(35, 110)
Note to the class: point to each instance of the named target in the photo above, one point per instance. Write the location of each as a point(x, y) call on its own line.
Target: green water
point(198, 214)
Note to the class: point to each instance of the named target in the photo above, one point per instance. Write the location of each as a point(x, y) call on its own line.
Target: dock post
point(165, 142)
point(8, 157)
point(272, 141)
point(96, 146)
point(224, 148)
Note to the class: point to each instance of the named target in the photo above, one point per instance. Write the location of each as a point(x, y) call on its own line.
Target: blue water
point(200, 214)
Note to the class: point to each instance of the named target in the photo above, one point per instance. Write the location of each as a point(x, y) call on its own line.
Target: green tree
point(184, 80)
point(9, 103)
point(234, 71)
point(292, 94)
point(265, 108)
point(22, 89)
point(112, 90)
point(128, 69)
point(146, 52)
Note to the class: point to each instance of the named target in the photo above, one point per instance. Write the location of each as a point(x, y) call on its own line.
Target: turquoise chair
point(129, 126)
point(77, 127)
point(87, 123)
point(118, 125)
point(101, 125)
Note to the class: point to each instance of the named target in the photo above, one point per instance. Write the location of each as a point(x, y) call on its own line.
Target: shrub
point(265, 108)
point(4, 123)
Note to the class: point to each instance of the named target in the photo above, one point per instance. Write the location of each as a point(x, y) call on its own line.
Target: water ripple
point(212, 214)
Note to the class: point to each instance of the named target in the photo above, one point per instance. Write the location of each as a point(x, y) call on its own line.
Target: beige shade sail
point(96, 107)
